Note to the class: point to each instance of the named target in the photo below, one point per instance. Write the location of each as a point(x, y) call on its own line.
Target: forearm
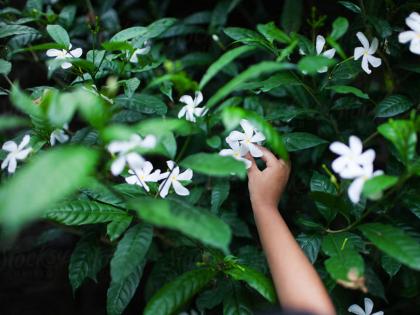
point(297, 283)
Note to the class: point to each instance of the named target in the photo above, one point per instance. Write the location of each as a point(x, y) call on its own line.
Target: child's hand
point(267, 186)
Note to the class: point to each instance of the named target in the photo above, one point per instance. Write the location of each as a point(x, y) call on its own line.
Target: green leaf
point(312, 64)
point(120, 293)
point(222, 62)
point(11, 122)
point(402, 134)
point(334, 244)
point(254, 279)
point(121, 46)
point(253, 71)
point(10, 30)
point(310, 245)
point(350, 6)
point(131, 251)
point(86, 261)
point(340, 26)
point(232, 115)
point(27, 194)
point(24, 103)
point(346, 267)
point(5, 67)
point(271, 32)
point(115, 228)
point(345, 89)
point(393, 105)
point(291, 15)
point(411, 200)
point(214, 164)
point(247, 36)
point(80, 212)
point(177, 292)
point(62, 107)
point(59, 35)
point(143, 103)
point(394, 242)
point(390, 265)
point(296, 141)
point(194, 222)
point(235, 302)
point(151, 31)
point(378, 184)
point(219, 193)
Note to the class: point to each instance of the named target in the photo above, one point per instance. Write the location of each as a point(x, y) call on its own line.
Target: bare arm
point(297, 283)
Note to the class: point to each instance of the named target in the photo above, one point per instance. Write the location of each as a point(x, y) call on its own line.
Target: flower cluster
point(413, 36)
point(354, 164)
point(242, 143)
point(141, 171)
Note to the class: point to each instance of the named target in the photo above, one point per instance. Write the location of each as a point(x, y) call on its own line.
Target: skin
point(297, 283)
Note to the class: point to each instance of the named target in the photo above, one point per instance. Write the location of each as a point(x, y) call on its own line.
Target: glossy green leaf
point(310, 245)
point(340, 26)
point(291, 15)
point(394, 242)
point(346, 89)
point(378, 184)
point(177, 292)
point(143, 103)
point(131, 251)
point(194, 222)
point(296, 141)
point(214, 164)
point(10, 30)
point(30, 192)
point(59, 34)
point(272, 33)
point(393, 105)
point(151, 31)
point(5, 67)
point(312, 64)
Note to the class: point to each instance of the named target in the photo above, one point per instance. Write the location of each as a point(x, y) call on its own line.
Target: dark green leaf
point(10, 30)
point(271, 32)
point(5, 67)
point(312, 64)
point(291, 15)
point(393, 105)
point(346, 89)
point(301, 140)
point(143, 103)
point(310, 245)
point(351, 6)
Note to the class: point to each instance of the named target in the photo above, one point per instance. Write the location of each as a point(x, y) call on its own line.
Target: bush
point(106, 98)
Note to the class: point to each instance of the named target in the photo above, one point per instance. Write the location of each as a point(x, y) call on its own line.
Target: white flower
point(237, 151)
point(16, 152)
point(141, 176)
point(59, 135)
point(248, 139)
point(172, 178)
point(319, 46)
point(65, 54)
point(140, 51)
point(190, 110)
point(356, 309)
point(125, 156)
point(366, 52)
point(413, 36)
point(351, 158)
point(364, 173)
point(192, 312)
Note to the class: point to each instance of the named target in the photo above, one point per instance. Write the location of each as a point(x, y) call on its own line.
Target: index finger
point(268, 157)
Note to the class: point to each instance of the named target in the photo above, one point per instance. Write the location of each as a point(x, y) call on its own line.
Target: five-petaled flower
point(356, 309)
point(351, 158)
point(140, 51)
point(142, 175)
point(354, 164)
point(248, 139)
point(65, 54)
point(124, 149)
point(172, 178)
point(319, 46)
point(237, 151)
point(16, 152)
point(366, 52)
point(413, 36)
point(190, 110)
point(59, 135)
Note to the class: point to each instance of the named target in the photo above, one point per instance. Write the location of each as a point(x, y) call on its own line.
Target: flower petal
point(254, 150)
point(147, 167)
point(373, 46)
point(358, 52)
point(413, 21)
point(339, 148)
point(378, 313)
point(235, 136)
point(132, 180)
point(407, 36)
point(76, 53)
point(164, 188)
point(356, 309)
point(415, 46)
point(24, 142)
point(171, 164)
point(66, 65)
point(153, 177)
point(135, 160)
point(355, 144)
point(198, 98)
point(23, 154)
point(329, 53)
point(179, 189)
point(12, 165)
point(365, 65)
point(247, 127)
point(363, 40)
point(187, 99)
point(53, 52)
point(186, 175)
point(200, 111)
point(339, 164)
point(258, 137)
point(9, 146)
point(247, 162)
point(355, 190)
point(226, 152)
point(366, 157)
point(5, 162)
point(182, 111)
point(319, 44)
point(352, 170)
point(374, 61)
point(148, 142)
point(118, 165)
point(368, 306)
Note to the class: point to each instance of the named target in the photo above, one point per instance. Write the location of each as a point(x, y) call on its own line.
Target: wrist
point(265, 207)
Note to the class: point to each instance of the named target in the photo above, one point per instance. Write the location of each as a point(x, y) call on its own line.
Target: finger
point(268, 157)
point(254, 168)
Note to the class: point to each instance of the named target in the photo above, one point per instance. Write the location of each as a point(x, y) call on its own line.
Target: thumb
point(254, 168)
